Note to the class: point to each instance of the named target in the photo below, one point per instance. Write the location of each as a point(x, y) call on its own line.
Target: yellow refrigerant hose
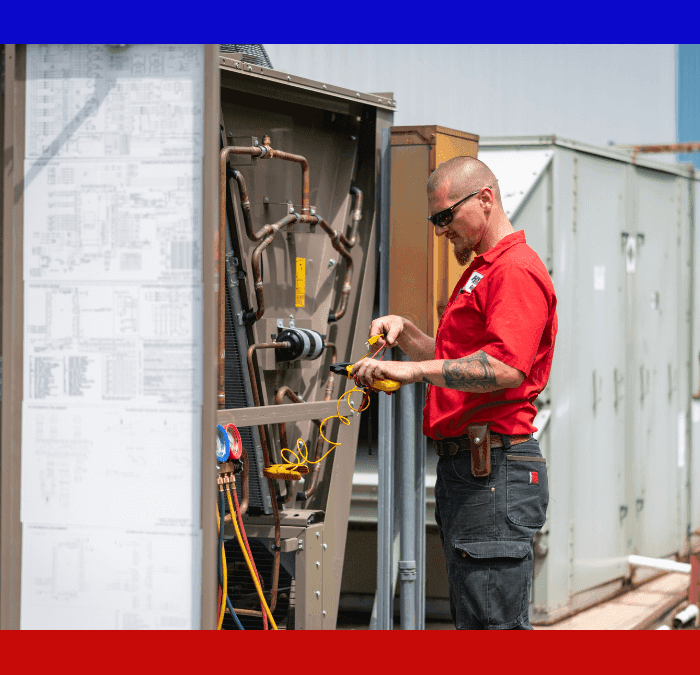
point(234, 520)
point(223, 597)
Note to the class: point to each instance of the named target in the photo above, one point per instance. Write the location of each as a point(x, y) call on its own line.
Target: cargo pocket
point(527, 490)
point(490, 583)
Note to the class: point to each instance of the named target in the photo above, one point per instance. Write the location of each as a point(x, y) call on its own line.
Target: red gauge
point(235, 441)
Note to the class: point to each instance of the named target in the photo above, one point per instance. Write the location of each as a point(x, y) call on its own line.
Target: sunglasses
point(445, 216)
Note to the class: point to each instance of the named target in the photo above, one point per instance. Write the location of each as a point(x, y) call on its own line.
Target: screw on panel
point(318, 594)
point(325, 546)
point(230, 134)
point(331, 262)
point(318, 534)
point(301, 545)
point(318, 564)
point(324, 612)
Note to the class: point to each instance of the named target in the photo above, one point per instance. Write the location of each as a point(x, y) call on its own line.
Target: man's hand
point(368, 371)
point(400, 332)
point(391, 327)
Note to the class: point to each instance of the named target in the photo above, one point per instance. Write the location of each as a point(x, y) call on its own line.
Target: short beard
point(462, 257)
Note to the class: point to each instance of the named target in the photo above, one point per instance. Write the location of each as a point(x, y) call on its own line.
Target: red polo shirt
point(504, 304)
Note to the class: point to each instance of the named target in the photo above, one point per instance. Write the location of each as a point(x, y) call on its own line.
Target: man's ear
point(486, 198)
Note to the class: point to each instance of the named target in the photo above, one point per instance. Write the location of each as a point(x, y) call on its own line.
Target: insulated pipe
point(659, 564)
point(250, 316)
point(266, 458)
point(245, 206)
point(334, 359)
point(356, 217)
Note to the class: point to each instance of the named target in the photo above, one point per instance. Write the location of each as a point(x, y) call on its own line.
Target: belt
point(451, 446)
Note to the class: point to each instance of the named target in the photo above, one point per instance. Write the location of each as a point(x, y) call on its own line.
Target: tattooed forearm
point(470, 373)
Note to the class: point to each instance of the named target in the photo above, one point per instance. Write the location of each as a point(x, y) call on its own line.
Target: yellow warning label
point(301, 282)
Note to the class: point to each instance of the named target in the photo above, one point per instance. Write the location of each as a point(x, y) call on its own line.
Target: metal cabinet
point(615, 233)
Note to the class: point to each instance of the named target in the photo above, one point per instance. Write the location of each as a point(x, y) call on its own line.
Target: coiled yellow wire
point(303, 457)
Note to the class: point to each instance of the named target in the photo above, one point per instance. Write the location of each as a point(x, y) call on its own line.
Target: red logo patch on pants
point(534, 477)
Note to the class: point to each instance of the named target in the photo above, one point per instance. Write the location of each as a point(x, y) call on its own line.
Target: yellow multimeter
point(387, 386)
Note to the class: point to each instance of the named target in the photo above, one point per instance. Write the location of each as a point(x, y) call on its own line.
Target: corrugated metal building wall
point(592, 93)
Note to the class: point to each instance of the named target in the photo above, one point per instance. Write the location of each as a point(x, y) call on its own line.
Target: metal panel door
point(597, 364)
point(654, 259)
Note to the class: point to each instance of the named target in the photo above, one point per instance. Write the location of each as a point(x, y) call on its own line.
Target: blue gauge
point(223, 446)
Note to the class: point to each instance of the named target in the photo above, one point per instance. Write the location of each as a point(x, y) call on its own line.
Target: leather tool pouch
point(480, 448)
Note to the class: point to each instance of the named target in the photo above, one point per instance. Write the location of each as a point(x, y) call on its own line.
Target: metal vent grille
point(236, 398)
point(241, 589)
point(250, 53)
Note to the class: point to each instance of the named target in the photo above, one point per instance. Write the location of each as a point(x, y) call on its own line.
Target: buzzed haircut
point(466, 174)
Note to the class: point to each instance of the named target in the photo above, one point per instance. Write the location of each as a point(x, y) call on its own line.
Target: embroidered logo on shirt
point(474, 279)
point(534, 478)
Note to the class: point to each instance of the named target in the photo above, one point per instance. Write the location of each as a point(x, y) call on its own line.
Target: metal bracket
point(407, 570)
point(239, 316)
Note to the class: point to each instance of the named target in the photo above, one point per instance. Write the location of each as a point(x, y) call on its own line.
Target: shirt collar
point(502, 246)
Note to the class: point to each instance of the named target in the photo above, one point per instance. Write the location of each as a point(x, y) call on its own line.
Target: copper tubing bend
point(250, 316)
point(338, 246)
point(245, 205)
point(266, 459)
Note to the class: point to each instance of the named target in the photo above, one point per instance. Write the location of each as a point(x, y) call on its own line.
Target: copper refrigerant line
point(267, 233)
point(266, 459)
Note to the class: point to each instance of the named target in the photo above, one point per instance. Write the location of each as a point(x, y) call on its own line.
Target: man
point(490, 359)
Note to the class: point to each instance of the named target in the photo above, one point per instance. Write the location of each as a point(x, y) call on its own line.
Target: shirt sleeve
point(516, 314)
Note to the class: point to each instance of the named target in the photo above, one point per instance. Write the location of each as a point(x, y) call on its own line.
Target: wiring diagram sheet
point(106, 578)
point(111, 428)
